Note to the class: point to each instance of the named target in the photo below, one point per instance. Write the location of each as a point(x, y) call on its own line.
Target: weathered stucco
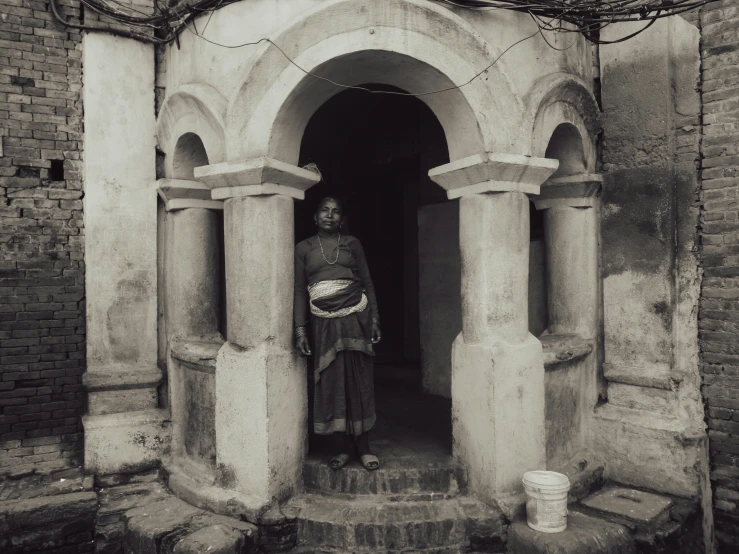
point(493, 126)
point(121, 272)
point(652, 425)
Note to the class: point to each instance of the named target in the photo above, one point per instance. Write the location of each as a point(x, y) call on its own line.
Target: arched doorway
point(374, 151)
point(497, 367)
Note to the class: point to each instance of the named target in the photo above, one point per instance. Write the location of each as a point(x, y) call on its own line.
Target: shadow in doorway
point(374, 152)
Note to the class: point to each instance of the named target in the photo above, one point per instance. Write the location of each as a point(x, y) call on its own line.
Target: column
point(192, 299)
point(124, 428)
point(571, 235)
point(261, 389)
point(497, 366)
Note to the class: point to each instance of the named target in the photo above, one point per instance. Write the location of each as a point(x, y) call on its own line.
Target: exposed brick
point(40, 103)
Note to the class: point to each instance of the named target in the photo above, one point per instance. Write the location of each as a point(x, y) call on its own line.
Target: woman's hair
point(336, 199)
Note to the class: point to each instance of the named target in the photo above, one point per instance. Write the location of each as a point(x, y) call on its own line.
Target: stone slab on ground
point(584, 535)
point(166, 525)
point(642, 512)
point(216, 539)
point(48, 523)
point(34, 484)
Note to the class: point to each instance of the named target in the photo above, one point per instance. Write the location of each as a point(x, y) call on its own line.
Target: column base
point(126, 442)
point(261, 420)
point(195, 484)
point(498, 414)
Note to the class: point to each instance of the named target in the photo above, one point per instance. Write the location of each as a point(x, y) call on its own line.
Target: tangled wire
point(587, 17)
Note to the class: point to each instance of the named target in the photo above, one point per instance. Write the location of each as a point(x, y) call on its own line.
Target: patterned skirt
point(344, 390)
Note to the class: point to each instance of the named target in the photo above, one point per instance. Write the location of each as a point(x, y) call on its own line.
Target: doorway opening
point(374, 152)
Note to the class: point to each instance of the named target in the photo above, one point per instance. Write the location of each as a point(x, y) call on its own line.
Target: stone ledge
point(121, 379)
point(562, 350)
point(198, 354)
point(656, 376)
point(574, 186)
point(638, 418)
point(179, 194)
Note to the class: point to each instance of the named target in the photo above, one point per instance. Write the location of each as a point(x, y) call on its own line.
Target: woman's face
point(328, 216)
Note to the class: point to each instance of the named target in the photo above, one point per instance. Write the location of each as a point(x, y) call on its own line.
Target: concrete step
point(364, 524)
point(394, 480)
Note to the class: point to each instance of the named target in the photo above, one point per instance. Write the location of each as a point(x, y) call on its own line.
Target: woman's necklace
point(338, 250)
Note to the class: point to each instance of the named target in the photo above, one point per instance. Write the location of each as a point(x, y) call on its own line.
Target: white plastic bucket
point(546, 500)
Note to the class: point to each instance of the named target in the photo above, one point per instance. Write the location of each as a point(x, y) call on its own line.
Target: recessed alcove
point(566, 208)
point(194, 307)
point(189, 153)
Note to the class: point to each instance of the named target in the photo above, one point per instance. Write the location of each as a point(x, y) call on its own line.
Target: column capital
point(179, 194)
point(575, 191)
point(493, 172)
point(256, 177)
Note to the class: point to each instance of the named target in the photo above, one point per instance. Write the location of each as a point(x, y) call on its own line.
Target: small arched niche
point(189, 153)
point(566, 146)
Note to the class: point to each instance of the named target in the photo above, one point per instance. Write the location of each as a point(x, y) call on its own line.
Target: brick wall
point(42, 322)
point(719, 307)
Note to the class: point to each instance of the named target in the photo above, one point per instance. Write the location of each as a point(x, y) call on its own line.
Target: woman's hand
point(375, 332)
point(301, 343)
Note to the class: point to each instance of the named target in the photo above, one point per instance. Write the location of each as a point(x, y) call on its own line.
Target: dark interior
point(374, 152)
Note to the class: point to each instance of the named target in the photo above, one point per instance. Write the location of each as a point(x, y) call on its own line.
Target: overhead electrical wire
point(585, 17)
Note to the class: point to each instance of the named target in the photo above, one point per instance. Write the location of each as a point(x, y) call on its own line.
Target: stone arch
point(191, 128)
point(413, 45)
point(563, 115)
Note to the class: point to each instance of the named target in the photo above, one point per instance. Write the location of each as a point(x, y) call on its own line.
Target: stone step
point(363, 524)
point(584, 535)
point(394, 480)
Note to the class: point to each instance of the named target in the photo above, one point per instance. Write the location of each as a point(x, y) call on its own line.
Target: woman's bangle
point(299, 332)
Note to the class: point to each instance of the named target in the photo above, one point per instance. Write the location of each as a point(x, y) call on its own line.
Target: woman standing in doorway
point(333, 282)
